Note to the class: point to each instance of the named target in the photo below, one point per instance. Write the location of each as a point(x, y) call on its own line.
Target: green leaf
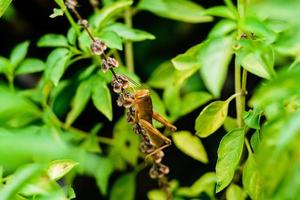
point(259, 28)
point(52, 40)
point(182, 10)
point(56, 12)
point(252, 118)
point(5, 65)
point(91, 142)
point(222, 11)
point(15, 110)
point(211, 118)
point(287, 42)
point(171, 98)
point(19, 180)
point(111, 39)
point(57, 64)
point(213, 64)
point(80, 100)
point(193, 100)
point(156, 195)
point(251, 179)
point(159, 194)
point(102, 170)
point(190, 145)
point(257, 58)
point(276, 9)
point(206, 183)
point(42, 144)
point(42, 186)
point(1, 176)
point(222, 28)
point(181, 76)
point(84, 41)
point(273, 96)
point(158, 106)
point(108, 12)
point(230, 123)
point(189, 59)
point(234, 192)
point(126, 142)
point(129, 34)
point(18, 53)
point(255, 140)
point(4, 5)
point(162, 76)
point(214, 57)
point(59, 168)
point(71, 36)
point(88, 71)
point(123, 188)
point(30, 65)
point(101, 97)
point(229, 154)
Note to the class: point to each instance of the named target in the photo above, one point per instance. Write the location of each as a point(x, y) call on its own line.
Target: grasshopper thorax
point(141, 94)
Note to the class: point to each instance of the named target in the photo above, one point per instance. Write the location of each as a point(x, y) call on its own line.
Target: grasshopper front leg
point(163, 121)
point(151, 130)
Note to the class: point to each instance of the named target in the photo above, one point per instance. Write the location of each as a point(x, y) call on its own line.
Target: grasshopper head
point(141, 94)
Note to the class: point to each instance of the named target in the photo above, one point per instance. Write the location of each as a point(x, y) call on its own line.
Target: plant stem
point(240, 85)
point(241, 6)
point(244, 89)
point(238, 101)
point(128, 45)
point(11, 83)
point(69, 16)
point(248, 146)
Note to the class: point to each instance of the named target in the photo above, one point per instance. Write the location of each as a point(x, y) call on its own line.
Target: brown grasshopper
point(144, 114)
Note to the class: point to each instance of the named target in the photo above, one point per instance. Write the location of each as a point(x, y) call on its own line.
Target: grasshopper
point(141, 112)
point(143, 116)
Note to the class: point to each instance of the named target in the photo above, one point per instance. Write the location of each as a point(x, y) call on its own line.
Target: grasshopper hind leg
point(151, 130)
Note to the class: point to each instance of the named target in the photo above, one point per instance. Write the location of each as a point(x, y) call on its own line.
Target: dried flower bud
point(146, 147)
point(112, 62)
point(139, 130)
point(153, 173)
point(119, 83)
point(117, 87)
point(124, 80)
point(157, 157)
point(163, 169)
point(109, 63)
point(71, 4)
point(98, 47)
point(130, 115)
point(83, 23)
point(105, 66)
point(120, 100)
point(158, 170)
point(128, 100)
point(136, 128)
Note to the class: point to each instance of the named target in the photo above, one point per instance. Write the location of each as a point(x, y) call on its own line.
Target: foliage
point(41, 147)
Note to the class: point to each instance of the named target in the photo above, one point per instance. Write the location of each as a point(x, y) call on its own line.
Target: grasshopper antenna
point(132, 81)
